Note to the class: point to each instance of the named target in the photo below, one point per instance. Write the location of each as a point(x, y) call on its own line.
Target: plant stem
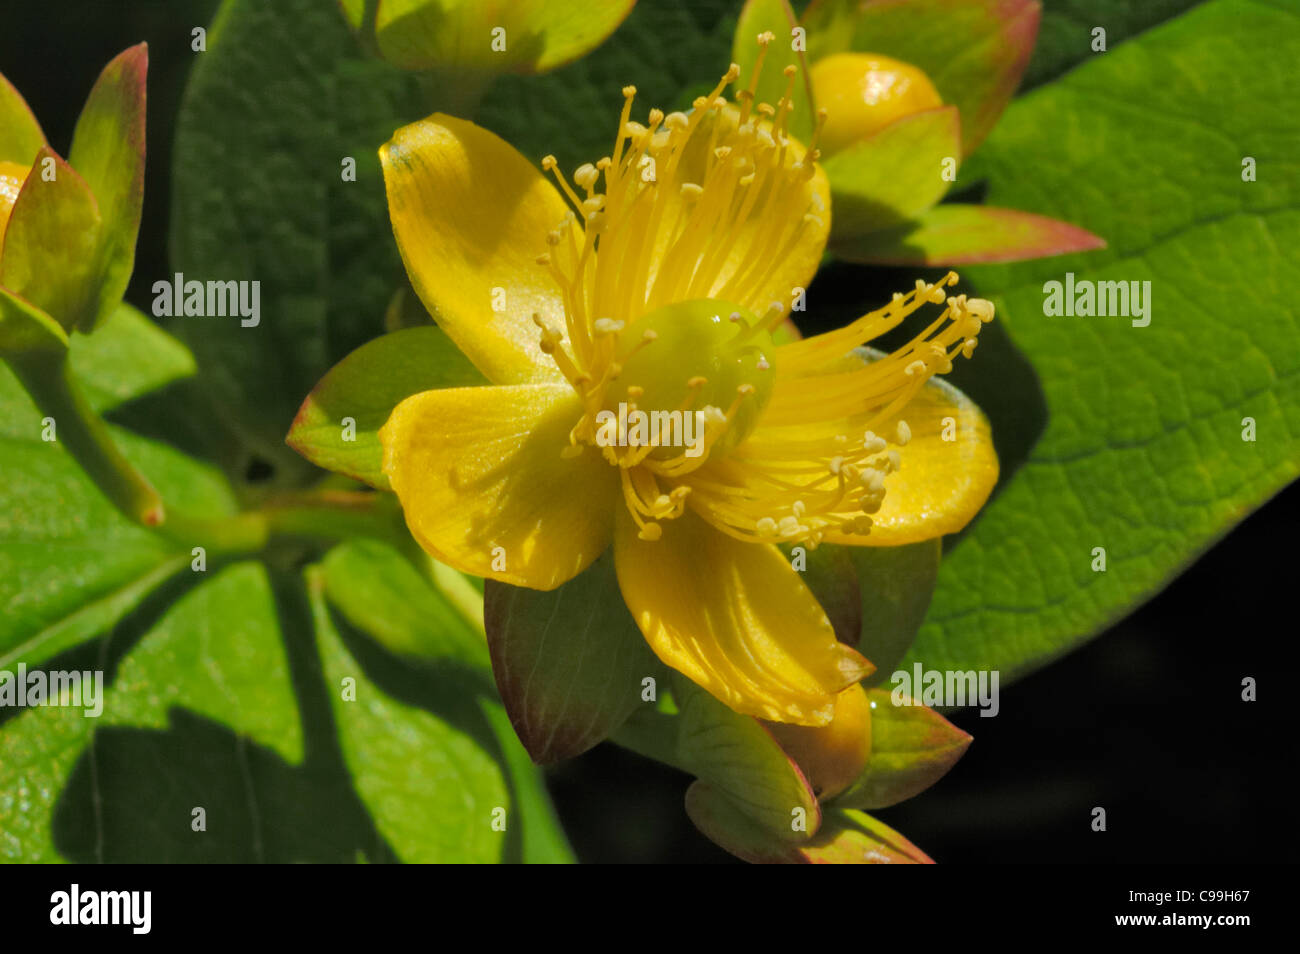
point(48, 378)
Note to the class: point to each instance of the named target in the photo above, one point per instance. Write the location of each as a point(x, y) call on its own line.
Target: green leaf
point(275, 107)
point(845, 837)
point(955, 234)
point(912, 747)
point(365, 387)
point(128, 356)
point(736, 756)
point(850, 837)
point(20, 133)
point(568, 662)
point(1143, 452)
point(895, 585)
point(51, 244)
point(70, 564)
point(875, 597)
point(974, 51)
point(108, 151)
point(1065, 37)
point(426, 739)
point(759, 16)
point(26, 328)
point(213, 657)
point(377, 590)
point(894, 175)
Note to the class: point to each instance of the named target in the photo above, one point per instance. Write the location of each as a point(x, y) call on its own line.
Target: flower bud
point(864, 92)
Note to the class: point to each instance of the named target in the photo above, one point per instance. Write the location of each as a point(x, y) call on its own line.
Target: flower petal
point(471, 216)
point(20, 134)
point(480, 476)
point(942, 483)
point(735, 618)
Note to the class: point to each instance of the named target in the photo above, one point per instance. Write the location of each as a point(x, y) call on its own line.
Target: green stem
point(48, 378)
point(324, 515)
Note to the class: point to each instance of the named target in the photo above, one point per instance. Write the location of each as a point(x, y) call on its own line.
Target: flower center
point(666, 338)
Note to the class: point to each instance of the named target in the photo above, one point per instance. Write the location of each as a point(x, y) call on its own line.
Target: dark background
point(1146, 721)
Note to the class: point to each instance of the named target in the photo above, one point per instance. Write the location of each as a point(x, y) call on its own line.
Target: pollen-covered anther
point(607, 326)
point(902, 433)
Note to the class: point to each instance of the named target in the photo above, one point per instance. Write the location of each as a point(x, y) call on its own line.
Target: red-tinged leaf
point(775, 16)
point(893, 176)
point(912, 747)
point(569, 662)
point(848, 837)
point(740, 760)
point(52, 242)
point(974, 51)
point(845, 837)
point(20, 133)
point(955, 234)
point(108, 150)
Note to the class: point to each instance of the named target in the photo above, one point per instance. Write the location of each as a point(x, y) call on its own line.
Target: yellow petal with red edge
point(471, 217)
point(485, 490)
point(736, 618)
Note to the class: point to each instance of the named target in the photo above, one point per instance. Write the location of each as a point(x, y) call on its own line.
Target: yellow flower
point(659, 293)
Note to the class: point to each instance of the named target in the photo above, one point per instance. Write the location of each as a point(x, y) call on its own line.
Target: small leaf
point(845, 837)
point(737, 757)
point(569, 662)
point(108, 150)
point(875, 597)
point(26, 328)
point(849, 837)
point(52, 243)
point(364, 388)
point(974, 51)
point(955, 234)
point(912, 747)
point(20, 133)
point(775, 16)
point(893, 176)
point(895, 585)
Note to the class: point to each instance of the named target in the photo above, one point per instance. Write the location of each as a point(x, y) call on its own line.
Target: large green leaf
point(1143, 452)
point(425, 736)
point(278, 103)
point(66, 785)
point(1065, 36)
point(70, 565)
